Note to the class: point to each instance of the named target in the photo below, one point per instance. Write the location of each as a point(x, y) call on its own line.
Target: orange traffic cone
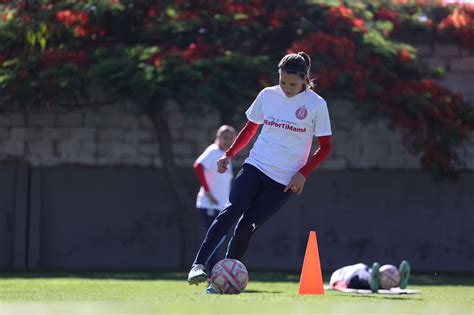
point(311, 281)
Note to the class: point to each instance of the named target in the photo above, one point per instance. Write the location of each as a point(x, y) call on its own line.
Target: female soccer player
point(291, 114)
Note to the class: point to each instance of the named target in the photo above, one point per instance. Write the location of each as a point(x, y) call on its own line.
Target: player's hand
point(211, 198)
point(222, 164)
point(296, 183)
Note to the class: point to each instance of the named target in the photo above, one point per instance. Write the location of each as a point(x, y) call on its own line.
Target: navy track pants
point(254, 198)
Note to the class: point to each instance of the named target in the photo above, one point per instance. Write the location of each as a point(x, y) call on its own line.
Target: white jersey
point(289, 124)
point(344, 274)
point(219, 184)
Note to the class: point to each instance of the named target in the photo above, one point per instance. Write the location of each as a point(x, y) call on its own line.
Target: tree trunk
point(185, 213)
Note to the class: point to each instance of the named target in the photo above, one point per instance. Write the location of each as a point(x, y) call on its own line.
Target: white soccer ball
point(389, 277)
point(229, 276)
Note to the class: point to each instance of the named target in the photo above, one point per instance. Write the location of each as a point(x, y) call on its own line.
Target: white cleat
point(197, 274)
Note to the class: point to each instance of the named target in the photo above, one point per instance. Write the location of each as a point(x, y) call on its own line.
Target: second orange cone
point(311, 281)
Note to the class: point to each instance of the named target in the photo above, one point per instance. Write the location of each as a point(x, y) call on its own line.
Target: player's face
point(225, 140)
point(291, 84)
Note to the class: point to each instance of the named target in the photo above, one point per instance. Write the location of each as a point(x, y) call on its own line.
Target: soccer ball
point(229, 276)
point(389, 277)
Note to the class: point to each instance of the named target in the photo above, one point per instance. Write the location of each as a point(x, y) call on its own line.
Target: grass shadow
point(400, 297)
point(130, 275)
point(260, 291)
point(102, 275)
point(417, 279)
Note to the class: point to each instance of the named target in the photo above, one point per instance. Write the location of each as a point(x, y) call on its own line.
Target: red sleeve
point(200, 175)
point(243, 138)
point(325, 147)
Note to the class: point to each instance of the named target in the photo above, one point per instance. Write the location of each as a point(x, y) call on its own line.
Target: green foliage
point(223, 53)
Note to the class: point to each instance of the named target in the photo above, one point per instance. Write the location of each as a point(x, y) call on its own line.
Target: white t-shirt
point(345, 273)
point(219, 184)
point(289, 124)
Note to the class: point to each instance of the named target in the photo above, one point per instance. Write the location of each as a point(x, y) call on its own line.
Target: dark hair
point(300, 64)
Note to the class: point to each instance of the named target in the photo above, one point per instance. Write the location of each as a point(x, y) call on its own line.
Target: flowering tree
point(55, 52)
point(441, 20)
point(221, 53)
point(355, 55)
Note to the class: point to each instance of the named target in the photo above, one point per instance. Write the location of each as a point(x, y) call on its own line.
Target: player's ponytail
point(299, 64)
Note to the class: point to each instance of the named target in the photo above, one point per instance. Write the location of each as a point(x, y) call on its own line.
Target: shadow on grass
point(417, 279)
point(400, 297)
point(124, 275)
point(261, 291)
point(103, 275)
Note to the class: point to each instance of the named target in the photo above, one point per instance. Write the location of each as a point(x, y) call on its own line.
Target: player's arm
point(242, 139)
point(321, 154)
point(199, 169)
point(298, 180)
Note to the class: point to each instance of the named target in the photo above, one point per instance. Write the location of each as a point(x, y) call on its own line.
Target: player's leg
point(265, 205)
point(244, 190)
point(360, 279)
point(374, 277)
point(404, 270)
point(208, 217)
point(211, 216)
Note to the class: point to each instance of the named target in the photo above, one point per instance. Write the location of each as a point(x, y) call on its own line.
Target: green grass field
point(169, 293)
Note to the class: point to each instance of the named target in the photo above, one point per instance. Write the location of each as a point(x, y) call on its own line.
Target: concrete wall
point(7, 219)
point(107, 218)
point(14, 196)
point(119, 135)
point(83, 189)
point(373, 216)
point(458, 63)
point(103, 218)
